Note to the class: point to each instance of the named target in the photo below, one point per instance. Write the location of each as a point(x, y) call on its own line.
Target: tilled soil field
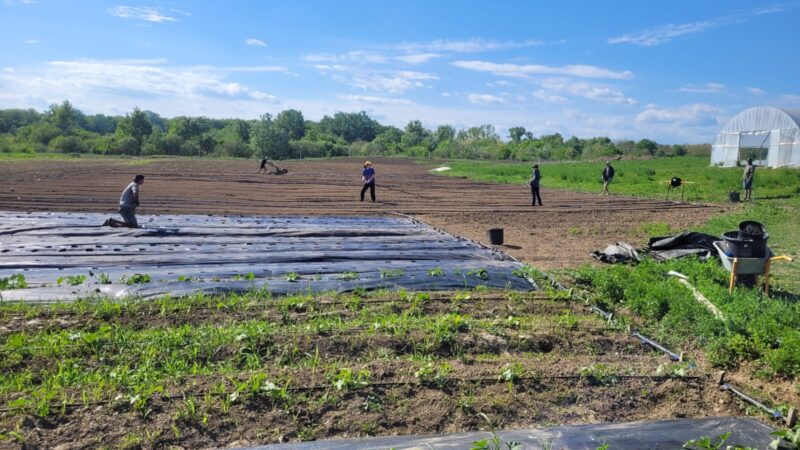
point(208, 372)
point(559, 234)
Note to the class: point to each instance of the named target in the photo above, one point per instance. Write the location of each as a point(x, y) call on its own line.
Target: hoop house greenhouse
point(771, 136)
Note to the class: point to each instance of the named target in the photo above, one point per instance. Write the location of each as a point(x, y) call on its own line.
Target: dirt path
point(559, 234)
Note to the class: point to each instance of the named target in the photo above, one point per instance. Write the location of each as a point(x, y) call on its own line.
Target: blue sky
point(673, 71)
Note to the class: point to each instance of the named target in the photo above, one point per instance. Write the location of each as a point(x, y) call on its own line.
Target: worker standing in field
point(263, 166)
point(747, 179)
point(129, 201)
point(368, 181)
point(608, 175)
point(535, 177)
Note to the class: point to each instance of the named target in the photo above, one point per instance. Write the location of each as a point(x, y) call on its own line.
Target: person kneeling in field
point(128, 202)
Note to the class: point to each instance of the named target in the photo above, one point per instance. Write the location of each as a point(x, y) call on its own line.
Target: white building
point(775, 131)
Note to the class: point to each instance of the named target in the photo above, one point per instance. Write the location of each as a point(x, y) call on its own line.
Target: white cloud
point(756, 91)
point(708, 88)
point(590, 91)
point(665, 33)
point(418, 58)
point(790, 98)
point(694, 115)
point(252, 69)
point(31, 41)
point(100, 84)
point(523, 71)
point(357, 56)
point(549, 97)
point(485, 99)
point(255, 42)
point(139, 13)
point(462, 46)
point(391, 82)
point(376, 100)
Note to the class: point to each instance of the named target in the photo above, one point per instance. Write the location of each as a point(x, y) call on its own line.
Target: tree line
point(63, 128)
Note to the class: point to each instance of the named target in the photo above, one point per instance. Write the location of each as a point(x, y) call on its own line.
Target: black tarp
point(680, 245)
point(657, 435)
point(216, 254)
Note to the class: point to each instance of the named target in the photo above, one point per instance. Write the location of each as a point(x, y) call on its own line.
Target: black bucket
point(746, 248)
point(733, 197)
point(496, 236)
point(752, 230)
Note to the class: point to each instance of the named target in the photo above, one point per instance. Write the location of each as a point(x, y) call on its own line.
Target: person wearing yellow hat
point(368, 181)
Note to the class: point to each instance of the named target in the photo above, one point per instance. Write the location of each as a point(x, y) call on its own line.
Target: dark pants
point(535, 194)
point(128, 214)
point(371, 187)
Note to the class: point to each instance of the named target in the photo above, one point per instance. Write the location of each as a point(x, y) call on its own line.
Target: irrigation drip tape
point(324, 387)
point(322, 254)
point(774, 413)
point(608, 316)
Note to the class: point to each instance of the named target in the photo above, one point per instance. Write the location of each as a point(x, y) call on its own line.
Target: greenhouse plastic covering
point(776, 130)
point(188, 254)
point(662, 434)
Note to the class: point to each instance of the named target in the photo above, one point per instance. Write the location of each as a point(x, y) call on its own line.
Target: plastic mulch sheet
point(188, 254)
point(663, 434)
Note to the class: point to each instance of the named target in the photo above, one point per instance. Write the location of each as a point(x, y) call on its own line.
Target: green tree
point(647, 146)
point(292, 122)
point(137, 126)
point(268, 140)
point(65, 117)
point(444, 133)
point(185, 127)
point(414, 134)
point(516, 134)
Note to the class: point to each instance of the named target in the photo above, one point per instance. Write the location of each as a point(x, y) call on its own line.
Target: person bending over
point(608, 175)
point(368, 181)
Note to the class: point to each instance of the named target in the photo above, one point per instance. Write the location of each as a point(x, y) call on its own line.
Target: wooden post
point(733, 275)
point(791, 417)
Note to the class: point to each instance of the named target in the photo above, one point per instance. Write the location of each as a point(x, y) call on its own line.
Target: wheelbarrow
point(747, 266)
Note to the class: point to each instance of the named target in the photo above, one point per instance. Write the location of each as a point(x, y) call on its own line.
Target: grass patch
point(639, 178)
point(757, 328)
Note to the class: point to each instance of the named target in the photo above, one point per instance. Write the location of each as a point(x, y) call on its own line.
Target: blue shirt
point(368, 174)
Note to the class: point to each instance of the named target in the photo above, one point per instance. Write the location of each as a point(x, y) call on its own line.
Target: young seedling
point(436, 272)
point(391, 273)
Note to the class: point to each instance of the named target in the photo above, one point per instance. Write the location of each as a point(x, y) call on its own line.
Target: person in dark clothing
point(263, 166)
point(608, 175)
point(368, 181)
point(535, 177)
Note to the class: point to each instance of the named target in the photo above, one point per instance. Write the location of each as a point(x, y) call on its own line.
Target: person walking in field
point(535, 177)
point(747, 179)
point(128, 202)
point(368, 181)
point(608, 175)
